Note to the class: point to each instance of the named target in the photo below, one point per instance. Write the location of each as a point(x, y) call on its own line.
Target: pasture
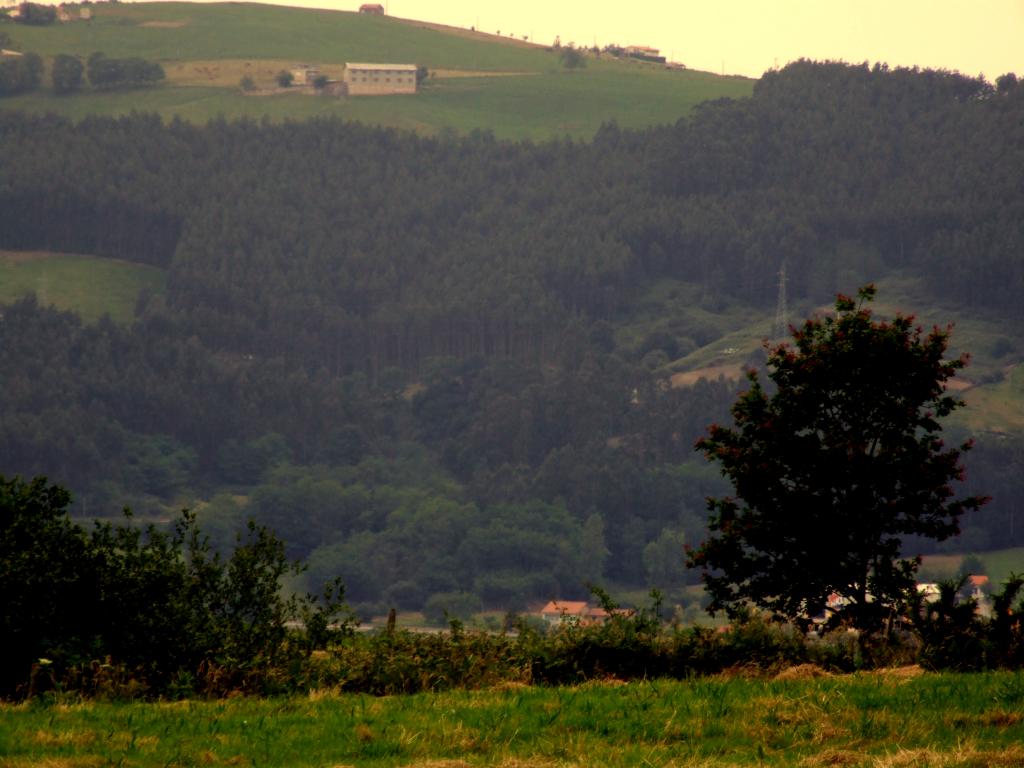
point(90, 286)
point(801, 717)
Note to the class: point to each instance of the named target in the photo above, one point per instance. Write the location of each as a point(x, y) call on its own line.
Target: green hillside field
point(515, 89)
point(1000, 565)
point(992, 383)
point(90, 286)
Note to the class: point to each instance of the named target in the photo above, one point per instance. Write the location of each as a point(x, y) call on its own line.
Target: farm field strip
point(890, 718)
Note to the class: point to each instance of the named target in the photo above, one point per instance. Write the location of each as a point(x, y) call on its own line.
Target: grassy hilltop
point(515, 89)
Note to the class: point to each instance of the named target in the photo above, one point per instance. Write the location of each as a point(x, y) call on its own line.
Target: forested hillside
point(438, 365)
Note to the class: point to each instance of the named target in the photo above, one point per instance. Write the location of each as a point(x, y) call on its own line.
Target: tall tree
point(833, 469)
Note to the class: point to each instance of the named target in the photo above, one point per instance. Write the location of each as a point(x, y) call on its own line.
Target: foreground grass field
point(891, 718)
point(485, 82)
point(87, 285)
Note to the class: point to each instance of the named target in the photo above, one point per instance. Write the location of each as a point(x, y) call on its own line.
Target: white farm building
point(380, 79)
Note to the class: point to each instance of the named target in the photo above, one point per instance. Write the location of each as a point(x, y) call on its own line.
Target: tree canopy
point(834, 469)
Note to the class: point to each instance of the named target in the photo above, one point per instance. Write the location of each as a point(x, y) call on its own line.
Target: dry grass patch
point(897, 674)
point(802, 672)
point(994, 718)
point(62, 739)
point(325, 694)
point(164, 24)
point(228, 73)
point(964, 757)
point(731, 372)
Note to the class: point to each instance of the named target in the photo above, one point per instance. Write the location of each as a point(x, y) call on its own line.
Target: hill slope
point(437, 365)
point(479, 81)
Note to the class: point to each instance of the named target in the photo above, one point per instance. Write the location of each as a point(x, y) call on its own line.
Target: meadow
point(478, 82)
point(90, 286)
point(801, 717)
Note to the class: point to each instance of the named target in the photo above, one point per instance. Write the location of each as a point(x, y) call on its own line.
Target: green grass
point(89, 286)
point(884, 719)
point(540, 100)
point(993, 382)
point(998, 406)
point(999, 564)
point(245, 30)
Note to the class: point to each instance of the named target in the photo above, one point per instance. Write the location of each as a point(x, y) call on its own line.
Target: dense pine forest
point(411, 356)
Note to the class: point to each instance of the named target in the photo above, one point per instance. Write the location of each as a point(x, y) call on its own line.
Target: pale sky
point(749, 36)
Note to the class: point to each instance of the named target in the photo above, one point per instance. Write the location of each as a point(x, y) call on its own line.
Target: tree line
point(22, 73)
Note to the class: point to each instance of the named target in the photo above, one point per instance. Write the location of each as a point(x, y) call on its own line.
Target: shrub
point(155, 603)
point(572, 58)
point(443, 606)
point(20, 74)
point(67, 73)
point(107, 73)
point(37, 15)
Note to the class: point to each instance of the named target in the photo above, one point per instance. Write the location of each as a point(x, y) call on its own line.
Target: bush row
point(124, 611)
point(641, 646)
point(24, 73)
point(143, 610)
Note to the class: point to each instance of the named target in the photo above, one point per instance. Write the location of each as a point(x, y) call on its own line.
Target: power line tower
point(781, 327)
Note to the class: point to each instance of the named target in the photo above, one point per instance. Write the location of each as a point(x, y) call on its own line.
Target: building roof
point(381, 67)
point(567, 607)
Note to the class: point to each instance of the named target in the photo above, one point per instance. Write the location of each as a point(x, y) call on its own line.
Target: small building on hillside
point(379, 79)
point(372, 9)
point(304, 74)
point(644, 53)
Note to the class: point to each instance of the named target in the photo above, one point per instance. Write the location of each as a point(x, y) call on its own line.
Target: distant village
point(557, 613)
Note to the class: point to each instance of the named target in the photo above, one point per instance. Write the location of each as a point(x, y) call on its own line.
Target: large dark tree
point(833, 469)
